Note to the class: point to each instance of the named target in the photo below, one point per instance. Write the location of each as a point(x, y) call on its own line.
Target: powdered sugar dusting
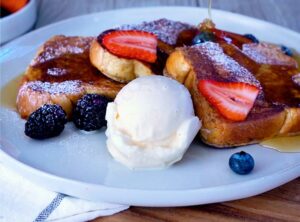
point(217, 55)
point(67, 87)
point(61, 45)
point(56, 71)
point(265, 53)
point(211, 62)
point(296, 79)
point(166, 30)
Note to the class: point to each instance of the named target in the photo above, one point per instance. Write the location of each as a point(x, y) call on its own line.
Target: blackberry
point(89, 113)
point(47, 121)
point(252, 38)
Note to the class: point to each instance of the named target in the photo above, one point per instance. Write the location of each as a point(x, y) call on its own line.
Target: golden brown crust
point(220, 132)
point(61, 73)
point(291, 124)
point(34, 94)
point(117, 68)
point(276, 74)
point(177, 66)
point(264, 121)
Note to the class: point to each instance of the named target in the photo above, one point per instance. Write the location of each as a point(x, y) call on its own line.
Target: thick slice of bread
point(169, 34)
point(61, 73)
point(267, 118)
point(116, 68)
point(276, 73)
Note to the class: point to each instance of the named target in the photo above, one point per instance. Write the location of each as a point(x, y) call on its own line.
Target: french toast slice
point(277, 73)
point(169, 33)
point(268, 117)
point(61, 73)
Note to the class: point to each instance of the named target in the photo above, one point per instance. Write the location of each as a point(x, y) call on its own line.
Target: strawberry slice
point(233, 100)
point(131, 44)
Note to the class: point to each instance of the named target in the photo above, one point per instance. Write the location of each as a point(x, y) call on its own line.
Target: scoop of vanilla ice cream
point(151, 123)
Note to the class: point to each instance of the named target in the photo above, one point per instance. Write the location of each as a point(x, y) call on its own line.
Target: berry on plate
point(47, 121)
point(89, 113)
point(131, 44)
point(241, 163)
point(233, 100)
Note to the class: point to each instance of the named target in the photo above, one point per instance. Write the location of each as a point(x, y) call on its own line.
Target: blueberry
point(47, 121)
point(286, 50)
point(203, 37)
point(252, 38)
point(89, 112)
point(241, 163)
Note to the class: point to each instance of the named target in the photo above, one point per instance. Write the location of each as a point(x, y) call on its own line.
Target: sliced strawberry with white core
point(131, 44)
point(233, 100)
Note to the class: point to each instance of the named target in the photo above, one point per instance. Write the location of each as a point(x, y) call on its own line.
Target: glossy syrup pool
point(283, 144)
point(9, 92)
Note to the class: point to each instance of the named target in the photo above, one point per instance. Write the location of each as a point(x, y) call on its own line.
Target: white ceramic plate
point(79, 164)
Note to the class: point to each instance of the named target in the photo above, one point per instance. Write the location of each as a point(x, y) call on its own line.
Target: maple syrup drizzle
point(209, 9)
point(207, 23)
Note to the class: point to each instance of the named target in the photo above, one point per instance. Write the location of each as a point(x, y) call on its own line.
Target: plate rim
point(15, 165)
point(163, 196)
point(13, 42)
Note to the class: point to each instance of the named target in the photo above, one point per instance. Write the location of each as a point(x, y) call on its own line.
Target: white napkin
point(21, 200)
